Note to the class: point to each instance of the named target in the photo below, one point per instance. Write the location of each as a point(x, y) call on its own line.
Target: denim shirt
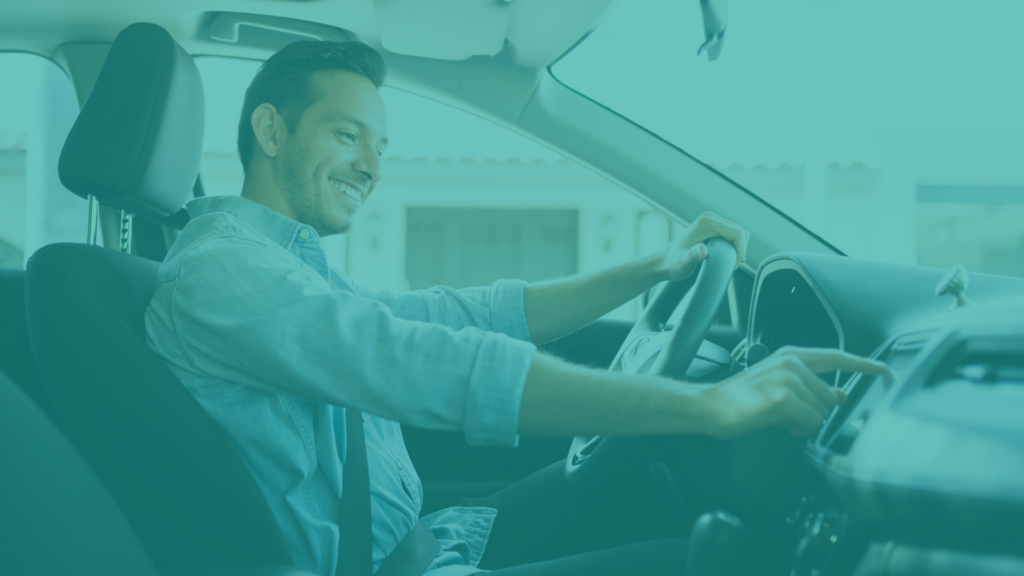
point(273, 344)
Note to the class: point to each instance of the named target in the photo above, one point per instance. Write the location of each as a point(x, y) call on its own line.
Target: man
point(273, 344)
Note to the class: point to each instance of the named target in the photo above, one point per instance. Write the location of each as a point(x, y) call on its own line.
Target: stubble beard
point(305, 197)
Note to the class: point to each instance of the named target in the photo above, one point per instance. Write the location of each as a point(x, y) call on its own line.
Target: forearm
point(560, 399)
point(558, 307)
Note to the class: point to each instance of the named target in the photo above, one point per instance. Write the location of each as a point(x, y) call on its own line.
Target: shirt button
point(400, 466)
point(304, 234)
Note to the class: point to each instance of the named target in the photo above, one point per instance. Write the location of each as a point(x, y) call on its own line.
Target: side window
point(39, 107)
point(462, 201)
point(224, 82)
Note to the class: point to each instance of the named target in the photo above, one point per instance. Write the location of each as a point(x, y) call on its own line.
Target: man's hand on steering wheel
point(782, 390)
point(682, 256)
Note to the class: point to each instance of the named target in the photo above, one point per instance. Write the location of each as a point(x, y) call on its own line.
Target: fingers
point(791, 393)
point(802, 419)
point(687, 262)
point(806, 403)
point(709, 225)
point(821, 405)
point(841, 394)
point(812, 383)
point(820, 360)
point(699, 252)
point(811, 399)
point(695, 254)
point(806, 398)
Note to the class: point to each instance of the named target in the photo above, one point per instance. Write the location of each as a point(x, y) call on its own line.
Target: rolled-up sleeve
point(283, 329)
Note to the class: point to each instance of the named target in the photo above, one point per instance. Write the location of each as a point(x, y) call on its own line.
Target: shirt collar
point(276, 227)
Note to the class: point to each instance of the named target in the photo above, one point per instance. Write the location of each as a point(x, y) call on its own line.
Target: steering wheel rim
point(592, 456)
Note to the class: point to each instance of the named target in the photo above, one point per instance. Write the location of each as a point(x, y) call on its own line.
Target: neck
point(261, 186)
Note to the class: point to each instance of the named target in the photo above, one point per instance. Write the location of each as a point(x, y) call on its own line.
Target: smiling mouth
point(347, 190)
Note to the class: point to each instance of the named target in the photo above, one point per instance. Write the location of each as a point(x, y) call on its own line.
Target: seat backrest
point(15, 351)
point(57, 517)
point(169, 466)
point(136, 145)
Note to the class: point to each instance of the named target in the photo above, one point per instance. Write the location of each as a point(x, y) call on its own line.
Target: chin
point(337, 226)
point(328, 222)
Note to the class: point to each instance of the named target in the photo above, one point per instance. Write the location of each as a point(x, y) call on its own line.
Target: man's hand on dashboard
point(681, 256)
point(782, 390)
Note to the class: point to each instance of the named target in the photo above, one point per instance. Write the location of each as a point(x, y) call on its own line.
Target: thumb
point(688, 262)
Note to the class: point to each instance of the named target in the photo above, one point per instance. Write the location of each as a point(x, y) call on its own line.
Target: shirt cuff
point(495, 391)
point(507, 313)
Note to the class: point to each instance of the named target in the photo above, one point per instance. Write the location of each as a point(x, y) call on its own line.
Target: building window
point(461, 247)
point(981, 227)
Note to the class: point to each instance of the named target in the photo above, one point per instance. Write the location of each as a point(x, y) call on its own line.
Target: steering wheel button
point(636, 348)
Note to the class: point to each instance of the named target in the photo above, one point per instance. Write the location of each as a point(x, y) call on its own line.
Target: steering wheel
point(591, 456)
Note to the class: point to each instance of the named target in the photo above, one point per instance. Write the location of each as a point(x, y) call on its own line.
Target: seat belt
point(414, 553)
point(355, 550)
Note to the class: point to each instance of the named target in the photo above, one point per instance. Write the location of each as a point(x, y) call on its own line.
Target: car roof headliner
point(540, 30)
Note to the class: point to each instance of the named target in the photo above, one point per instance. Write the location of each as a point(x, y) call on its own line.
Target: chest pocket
point(387, 447)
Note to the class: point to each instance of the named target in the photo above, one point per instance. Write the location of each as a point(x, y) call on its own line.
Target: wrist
point(684, 408)
point(653, 267)
point(702, 410)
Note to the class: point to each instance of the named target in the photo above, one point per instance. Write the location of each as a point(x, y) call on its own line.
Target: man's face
point(330, 162)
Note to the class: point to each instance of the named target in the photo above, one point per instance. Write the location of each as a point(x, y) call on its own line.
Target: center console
point(924, 464)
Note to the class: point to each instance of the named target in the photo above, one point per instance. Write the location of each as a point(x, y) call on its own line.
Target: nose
point(368, 163)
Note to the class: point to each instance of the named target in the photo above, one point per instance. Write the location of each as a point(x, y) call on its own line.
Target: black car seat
point(58, 518)
point(15, 351)
point(136, 145)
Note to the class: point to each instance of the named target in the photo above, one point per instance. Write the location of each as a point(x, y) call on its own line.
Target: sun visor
point(137, 142)
point(444, 29)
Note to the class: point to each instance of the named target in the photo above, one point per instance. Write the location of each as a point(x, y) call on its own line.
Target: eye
point(347, 135)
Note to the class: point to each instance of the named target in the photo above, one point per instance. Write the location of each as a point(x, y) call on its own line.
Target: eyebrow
point(359, 123)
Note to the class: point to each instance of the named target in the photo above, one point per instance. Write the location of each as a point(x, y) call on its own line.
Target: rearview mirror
point(716, 16)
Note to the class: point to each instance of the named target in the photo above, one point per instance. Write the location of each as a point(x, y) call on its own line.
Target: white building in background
point(935, 199)
point(39, 107)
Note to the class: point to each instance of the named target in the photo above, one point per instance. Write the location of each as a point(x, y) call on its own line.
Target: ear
point(269, 128)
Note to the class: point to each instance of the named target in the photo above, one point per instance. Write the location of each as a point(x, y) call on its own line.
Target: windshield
point(894, 130)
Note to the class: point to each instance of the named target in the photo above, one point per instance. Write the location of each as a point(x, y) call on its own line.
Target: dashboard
point(920, 471)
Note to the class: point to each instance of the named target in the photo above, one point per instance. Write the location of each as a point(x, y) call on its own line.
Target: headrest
point(137, 141)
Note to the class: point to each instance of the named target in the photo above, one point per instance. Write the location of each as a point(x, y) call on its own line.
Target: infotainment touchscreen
point(865, 392)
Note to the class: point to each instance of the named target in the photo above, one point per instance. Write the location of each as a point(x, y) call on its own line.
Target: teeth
point(348, 190)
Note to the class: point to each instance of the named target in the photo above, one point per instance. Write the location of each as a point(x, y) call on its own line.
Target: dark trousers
point(632, 523)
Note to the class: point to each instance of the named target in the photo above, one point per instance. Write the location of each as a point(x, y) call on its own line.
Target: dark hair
point(284, 81)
